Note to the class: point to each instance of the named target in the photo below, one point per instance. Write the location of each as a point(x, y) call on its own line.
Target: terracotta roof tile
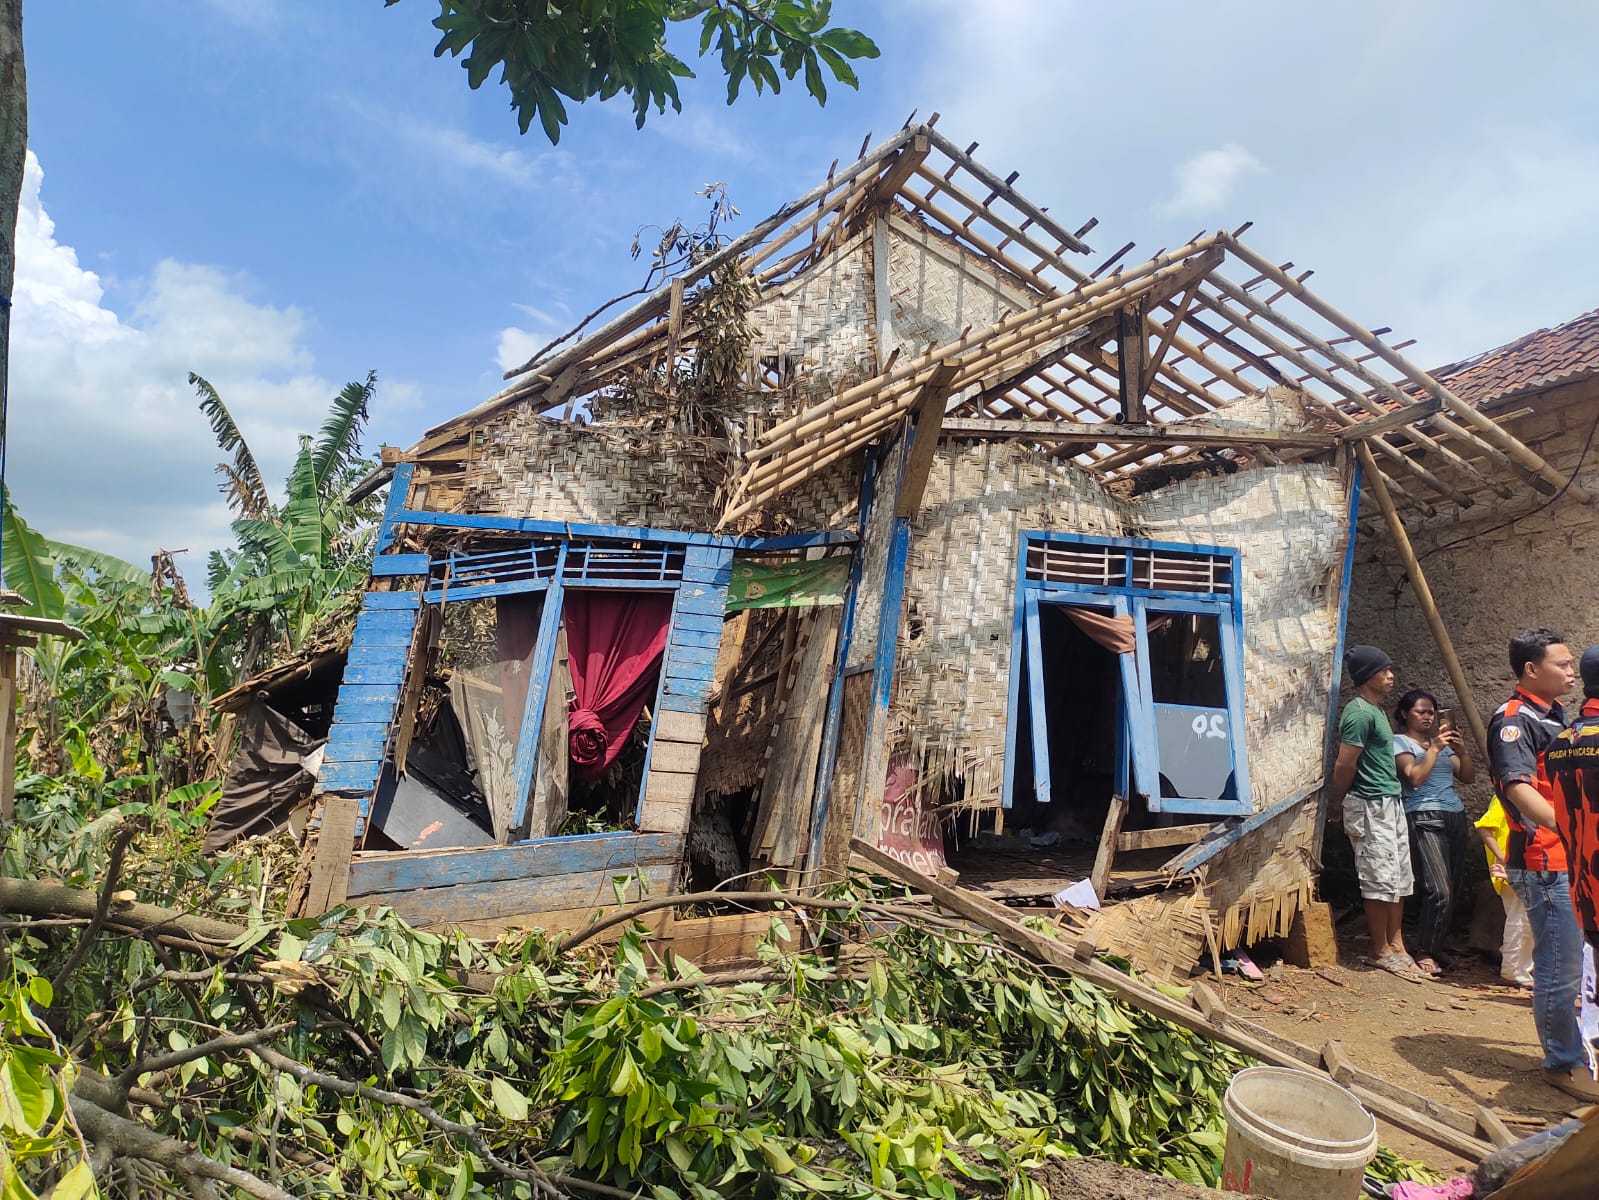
point(1531, 363)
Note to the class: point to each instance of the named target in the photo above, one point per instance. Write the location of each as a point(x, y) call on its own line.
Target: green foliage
point(29, 566)
point(928, 1063)
point(37, 1137)
point(587, 49)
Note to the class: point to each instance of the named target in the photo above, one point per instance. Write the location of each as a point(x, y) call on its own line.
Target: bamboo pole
point(1483, 424)
point(1104, 296)
point(1429, 609)
point(1370, 378)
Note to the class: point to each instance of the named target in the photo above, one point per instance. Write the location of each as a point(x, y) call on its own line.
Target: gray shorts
point(1377, 831)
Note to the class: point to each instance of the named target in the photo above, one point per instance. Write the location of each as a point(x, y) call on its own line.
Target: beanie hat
point(1590, 671)
point(1362, 662)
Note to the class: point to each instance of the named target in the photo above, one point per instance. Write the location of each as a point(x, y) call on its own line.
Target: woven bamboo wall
point(820, 323)
point(954, 655)
point(1257, 885)
point(1288, 524)
point(937, 287)
point(953, 676)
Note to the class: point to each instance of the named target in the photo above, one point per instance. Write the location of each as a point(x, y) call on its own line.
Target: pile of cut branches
point(175, 1053)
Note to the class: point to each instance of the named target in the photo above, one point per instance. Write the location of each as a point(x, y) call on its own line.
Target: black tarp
point(266, 780)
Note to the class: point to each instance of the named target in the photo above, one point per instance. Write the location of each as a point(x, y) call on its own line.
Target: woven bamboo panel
point(1163, 934)
point(820, 324)
point(953, 678)
point(937, 287)
point(1257, 885)
point(1289, 525)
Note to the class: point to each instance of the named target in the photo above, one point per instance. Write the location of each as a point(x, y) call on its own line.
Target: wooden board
point(680, 727)
point(1150, 839)
point(330, 869)
point(551, 777)
point(788, 784)
point(410, 870)
point(504, 898)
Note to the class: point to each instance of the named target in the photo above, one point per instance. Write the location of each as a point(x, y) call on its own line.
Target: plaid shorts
point(1377, 831)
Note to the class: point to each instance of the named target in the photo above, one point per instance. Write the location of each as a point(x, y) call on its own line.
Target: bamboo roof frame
point(1205, 341)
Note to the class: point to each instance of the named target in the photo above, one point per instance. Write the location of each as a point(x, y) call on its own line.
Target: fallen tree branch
point(39, 898)
point(795, 901)
point(225, 1044)
point(131, 1139)
point(540, 1179)
point(125, 834)
point(730, 979)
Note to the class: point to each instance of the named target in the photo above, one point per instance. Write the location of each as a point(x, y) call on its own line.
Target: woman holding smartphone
point(1430, 756)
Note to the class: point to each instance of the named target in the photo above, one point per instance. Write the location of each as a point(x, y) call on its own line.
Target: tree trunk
point(13, 154)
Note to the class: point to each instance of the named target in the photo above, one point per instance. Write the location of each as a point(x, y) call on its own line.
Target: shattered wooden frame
point(1121, 355)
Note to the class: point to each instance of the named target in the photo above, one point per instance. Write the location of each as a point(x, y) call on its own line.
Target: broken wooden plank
point(1152, 839)
point(1108, 840)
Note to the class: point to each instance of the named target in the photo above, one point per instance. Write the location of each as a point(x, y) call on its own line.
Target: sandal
point(1401, 965)
point(1427, 966)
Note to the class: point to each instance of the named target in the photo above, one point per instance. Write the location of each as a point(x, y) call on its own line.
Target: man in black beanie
point(1365, 796)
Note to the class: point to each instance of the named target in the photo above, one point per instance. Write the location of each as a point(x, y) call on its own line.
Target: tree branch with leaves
point(549, 54)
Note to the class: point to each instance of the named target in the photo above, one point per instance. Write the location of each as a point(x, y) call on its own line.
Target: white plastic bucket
point(1294, 1136)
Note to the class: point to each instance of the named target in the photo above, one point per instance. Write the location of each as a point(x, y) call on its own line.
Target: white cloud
point(106, 444)
point(1205, 183)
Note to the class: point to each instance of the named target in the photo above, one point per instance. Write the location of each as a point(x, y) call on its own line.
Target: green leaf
point(40, 990)
point(76, 1184)
point(29, 566)
point(510, 1103)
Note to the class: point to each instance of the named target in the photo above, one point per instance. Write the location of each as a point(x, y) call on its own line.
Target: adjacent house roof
point(1535, 362)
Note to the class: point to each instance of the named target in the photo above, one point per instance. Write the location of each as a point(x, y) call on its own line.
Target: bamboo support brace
point(1424, 598)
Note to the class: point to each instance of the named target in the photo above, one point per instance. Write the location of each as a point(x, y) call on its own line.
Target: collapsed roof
point(1121, 365)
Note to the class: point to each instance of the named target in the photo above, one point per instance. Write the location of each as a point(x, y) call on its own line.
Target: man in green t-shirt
point(1365, 796)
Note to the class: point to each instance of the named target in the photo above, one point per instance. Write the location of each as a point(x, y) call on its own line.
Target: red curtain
point(614, 641)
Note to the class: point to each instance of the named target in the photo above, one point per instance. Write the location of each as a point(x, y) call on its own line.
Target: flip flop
point(1434, 971)
point(1402, 966)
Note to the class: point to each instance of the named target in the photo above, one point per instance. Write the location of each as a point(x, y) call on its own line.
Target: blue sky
point(283, 194)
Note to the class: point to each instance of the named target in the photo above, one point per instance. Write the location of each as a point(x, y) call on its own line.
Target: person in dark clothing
point(1430, 759)
point(1573, 765)
point(1519, 735)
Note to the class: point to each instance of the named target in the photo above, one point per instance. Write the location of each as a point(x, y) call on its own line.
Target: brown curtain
point(1119, 635)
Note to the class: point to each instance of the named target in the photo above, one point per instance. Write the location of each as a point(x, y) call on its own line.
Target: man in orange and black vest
point(1519, 737)
point(1573, 765)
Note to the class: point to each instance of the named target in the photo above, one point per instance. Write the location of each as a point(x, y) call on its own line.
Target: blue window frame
point(1180, 730)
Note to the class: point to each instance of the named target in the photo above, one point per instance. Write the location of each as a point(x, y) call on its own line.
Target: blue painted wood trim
point(827, 760)
point(482, 591)
point(503, 899)
point(538, 686)
point(1203, 851)
point(391, 565)
point(394, 506)
point(363, 715)
point(1345, 579)
point(407, 870)
point(620, 533)
point(1232, 667)
point(1087, 539)
point(389, 601)
point(1042, 791)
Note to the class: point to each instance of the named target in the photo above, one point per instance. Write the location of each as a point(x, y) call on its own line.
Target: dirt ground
point(1092, 1179)
point(1464, 1040)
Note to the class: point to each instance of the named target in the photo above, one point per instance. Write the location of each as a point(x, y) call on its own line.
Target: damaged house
point(902, 518)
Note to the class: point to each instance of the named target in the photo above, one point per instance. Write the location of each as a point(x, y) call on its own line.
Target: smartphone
point(1446, 720)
